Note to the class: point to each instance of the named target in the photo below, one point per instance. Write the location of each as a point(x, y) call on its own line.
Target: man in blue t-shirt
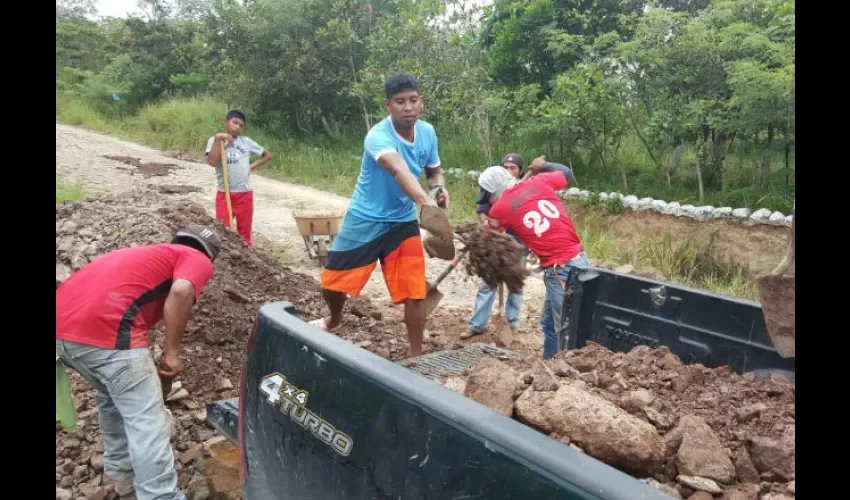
point(381, 221)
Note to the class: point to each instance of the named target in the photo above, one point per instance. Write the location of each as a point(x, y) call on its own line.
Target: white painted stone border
point(700, 214)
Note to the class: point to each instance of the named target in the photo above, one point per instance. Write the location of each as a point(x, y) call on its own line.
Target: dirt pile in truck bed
point(685, 428)
point(214, 343)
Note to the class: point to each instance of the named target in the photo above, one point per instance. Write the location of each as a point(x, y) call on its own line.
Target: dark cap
point(203, 236)
point(513, 158)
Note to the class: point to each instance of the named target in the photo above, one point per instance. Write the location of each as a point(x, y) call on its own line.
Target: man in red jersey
point(534, 213)
point(104, 312)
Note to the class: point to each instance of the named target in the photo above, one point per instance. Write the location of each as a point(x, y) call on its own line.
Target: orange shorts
point(359, 246)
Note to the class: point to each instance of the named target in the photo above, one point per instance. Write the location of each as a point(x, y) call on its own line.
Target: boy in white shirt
point(238, 149)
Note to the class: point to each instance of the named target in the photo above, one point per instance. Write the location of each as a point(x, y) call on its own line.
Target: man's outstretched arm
point(393, 163)
point(540, 165)
point(176, 313)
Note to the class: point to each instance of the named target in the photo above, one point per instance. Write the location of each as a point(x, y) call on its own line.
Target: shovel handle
point(226, 182)
point(450, 267)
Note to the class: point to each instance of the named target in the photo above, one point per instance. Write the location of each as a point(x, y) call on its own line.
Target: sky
point(116, 8)
point(121, 8)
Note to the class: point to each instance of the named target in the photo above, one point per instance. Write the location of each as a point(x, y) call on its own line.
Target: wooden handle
point(226, 186)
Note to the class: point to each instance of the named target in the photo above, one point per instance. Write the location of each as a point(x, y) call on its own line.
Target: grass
point(333, 165)
point(692, 262)
point(68, 192)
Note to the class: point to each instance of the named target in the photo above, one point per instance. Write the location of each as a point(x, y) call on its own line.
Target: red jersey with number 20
point(116, 299)
point(533, 211)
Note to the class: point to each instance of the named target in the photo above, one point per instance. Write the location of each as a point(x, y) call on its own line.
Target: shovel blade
point(432, 300)
point(502, 330)
point(777, 298)
point(439, 242)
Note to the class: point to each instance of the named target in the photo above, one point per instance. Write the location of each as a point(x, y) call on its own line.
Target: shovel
point(434, 296)
point(776, 293)
point(501, 327)
point(226, 182)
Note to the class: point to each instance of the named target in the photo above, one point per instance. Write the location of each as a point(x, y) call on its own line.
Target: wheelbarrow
point(318, 228)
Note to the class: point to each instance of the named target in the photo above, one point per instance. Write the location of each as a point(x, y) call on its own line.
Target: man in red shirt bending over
point(104, 312)
point(533, 211)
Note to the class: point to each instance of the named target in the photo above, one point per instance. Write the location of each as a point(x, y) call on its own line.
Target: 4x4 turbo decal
point(292, 401)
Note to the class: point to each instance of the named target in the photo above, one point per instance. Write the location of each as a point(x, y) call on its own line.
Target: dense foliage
point(669, 95)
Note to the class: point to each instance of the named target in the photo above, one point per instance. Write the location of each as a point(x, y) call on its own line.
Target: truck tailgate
point(326, 419)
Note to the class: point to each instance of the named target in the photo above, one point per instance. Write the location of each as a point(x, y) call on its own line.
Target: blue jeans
point(134, 422)
point(550, 318)
point(484, 307)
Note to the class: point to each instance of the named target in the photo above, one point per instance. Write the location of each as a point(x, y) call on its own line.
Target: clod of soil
point(215, 338)
point(492, 383)
point(493, 256)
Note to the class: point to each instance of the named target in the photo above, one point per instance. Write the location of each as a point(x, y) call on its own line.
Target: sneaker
point(469, 334)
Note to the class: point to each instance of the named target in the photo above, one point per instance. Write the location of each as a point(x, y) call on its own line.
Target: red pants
point(243, 212)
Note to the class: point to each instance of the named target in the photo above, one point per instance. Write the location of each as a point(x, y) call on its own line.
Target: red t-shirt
point(116, 299)
point(533, 211)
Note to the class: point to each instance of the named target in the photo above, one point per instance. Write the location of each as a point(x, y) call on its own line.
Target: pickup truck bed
point(322, 418)
point(372, 429)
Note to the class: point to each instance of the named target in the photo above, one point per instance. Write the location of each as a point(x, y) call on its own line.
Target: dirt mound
point(686, 427)
point(176, 188)
point(147, 169)
point(492, 256)
point(214, 343)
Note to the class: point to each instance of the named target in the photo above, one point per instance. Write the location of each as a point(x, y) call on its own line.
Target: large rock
point(221, 470)
point(701, 495)
point(700, 484)
point(741, 492)
point(598, 426)
point(636, 401)
point(747, 472)
point(701, 452)
point(775, 455)
point(492, 384)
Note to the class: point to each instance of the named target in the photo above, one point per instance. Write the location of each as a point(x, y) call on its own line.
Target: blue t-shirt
point(377, 196)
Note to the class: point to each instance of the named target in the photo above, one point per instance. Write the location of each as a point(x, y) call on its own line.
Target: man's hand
point(262, 161)
point(536, 164)
point(443, 198)
point(176, 312)
point(170, 365)
point(440, 195)
point(224, 136)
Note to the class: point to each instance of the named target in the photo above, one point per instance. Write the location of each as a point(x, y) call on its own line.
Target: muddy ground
point(214, 342)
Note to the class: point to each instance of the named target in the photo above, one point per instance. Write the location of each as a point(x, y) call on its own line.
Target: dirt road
point(81, 157)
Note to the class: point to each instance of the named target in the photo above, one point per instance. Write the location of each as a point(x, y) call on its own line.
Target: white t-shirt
point(238, 163)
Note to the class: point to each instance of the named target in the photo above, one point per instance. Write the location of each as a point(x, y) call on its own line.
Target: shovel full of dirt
point(776, 293)
point(439, 242)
